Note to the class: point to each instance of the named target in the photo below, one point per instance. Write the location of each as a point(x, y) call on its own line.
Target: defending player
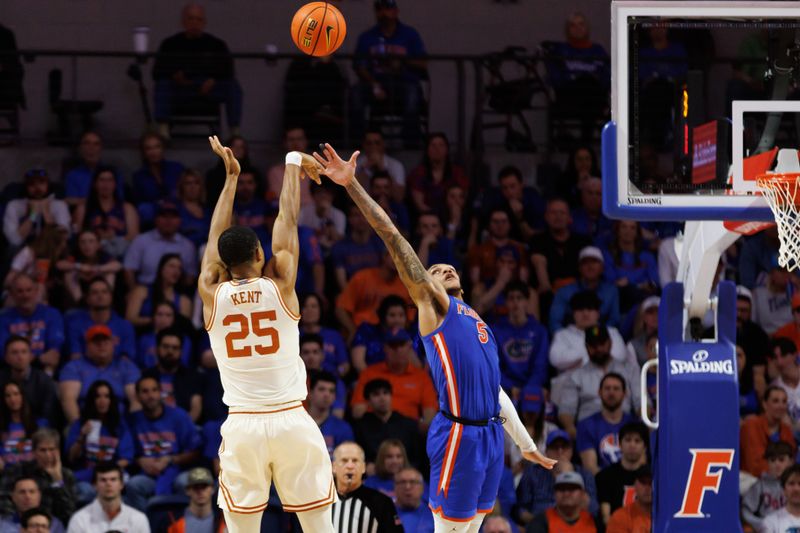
point(465, 442)
point(251, 312)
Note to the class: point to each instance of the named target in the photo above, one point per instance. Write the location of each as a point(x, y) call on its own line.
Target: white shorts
point(284, 445)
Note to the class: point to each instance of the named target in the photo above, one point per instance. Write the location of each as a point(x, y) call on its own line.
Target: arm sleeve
point(513, 425)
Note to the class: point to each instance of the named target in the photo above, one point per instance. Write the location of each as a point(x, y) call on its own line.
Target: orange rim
point(778, 182)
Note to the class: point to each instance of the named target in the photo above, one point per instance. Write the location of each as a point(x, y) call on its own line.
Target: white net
point(780, 192)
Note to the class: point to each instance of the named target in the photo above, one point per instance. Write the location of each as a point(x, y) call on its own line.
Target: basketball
point(318, 29)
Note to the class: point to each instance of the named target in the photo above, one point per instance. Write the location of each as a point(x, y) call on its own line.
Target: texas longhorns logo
point(702, 479)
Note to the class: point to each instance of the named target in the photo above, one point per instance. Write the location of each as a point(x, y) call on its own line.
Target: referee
point(360, 509)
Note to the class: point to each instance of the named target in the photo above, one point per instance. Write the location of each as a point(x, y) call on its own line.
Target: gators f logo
point(702, 479)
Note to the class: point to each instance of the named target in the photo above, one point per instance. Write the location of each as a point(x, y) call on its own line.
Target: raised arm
point(419, 283)
point(212, 270)
point(282, 268)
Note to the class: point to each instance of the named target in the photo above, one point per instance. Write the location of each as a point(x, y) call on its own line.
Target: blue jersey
point(462, 354)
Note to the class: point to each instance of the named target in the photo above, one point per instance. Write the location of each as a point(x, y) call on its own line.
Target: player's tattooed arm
point(420, 284)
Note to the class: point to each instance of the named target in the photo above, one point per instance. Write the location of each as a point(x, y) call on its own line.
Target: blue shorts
point(466, 466)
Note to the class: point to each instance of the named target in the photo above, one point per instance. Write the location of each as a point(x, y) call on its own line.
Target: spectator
point(39, 388)
point(645, 325)
point(41, 324)
point(433, 247)
point(114, 220)
point(758, 430)
point(615, 482)
point(524, 203)
point(532, 406)
point(200, 513)
point(536, 489)
point(195, 216)
point(294, 140)
point(328, 222)
point(312, 354)
point(144, 253)
point(765, 496)
point(107, 512)
point(590, 278)
point(415, 515)
point(336, 359)
point(381, 424)
point(78, 375)
point(390, 82)
point(164, 316)
point(414, 395)
point(57, 483)
point(88, 262)
point(786, 365)
point(17, 425)
point(249, 207)
point(748, 400)
point(38, 260)
point(582, 164)
point(99, 300)
point(389, 460)
point(568, 349)
point(578, 71)
point(522, 343)
point(78, 179)
point(755, 258)
point(554, 253)
point(635, 516)
point(598, 440)
point(461, 226)
point(368, 342)
point(194, 65)
point(755, 343)
point(215, 178)
point(181, 386)
point(321, 395)
point(576, 392)
point(358, 250)
point(380, 188)
point(158, 177)
point(429, 181)
point(100, 434)
point(496, 524)
point(359, 504)
point(568, 512)
point(773, 302)
point(356, 304)
point(36, 520)
point(588, 218)
point(167, 287)
point(166, 442)
point(629, 266)
point(788, 517)
point(24, 218)
point(483, 256)
point(374, 159)
point(26, 496)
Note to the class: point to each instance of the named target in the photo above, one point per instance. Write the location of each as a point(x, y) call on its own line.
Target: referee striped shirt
point(365, 510)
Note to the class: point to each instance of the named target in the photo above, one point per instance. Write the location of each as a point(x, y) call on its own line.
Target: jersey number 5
point(483, 335)
point(255, 325)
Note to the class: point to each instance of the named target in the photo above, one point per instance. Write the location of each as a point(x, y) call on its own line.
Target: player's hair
point(635, 428)
point(376, 385)
point(104, 467)
point(516, 285)
point(142, 380)
point(778, 449)
point(25, 517)
point(383, 451)
point(312, 337)
point(789, 472)
point(15, 338)
point(613, 375)
point(785, 345)
point(43, 435)
point(237, 246)
point(171, 331)
point(769, 390)
point(510, 170)
point(320, 375)
point(387, 303)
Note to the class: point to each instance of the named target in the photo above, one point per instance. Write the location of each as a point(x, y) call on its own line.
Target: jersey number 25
point(253, 324)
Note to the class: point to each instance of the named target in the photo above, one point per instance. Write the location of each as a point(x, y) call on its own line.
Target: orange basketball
point(318, 29)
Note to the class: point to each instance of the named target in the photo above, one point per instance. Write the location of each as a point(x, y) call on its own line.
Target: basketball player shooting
point(251, 313)
point(465, 440)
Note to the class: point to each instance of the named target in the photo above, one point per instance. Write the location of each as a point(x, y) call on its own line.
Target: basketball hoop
point(781, 193)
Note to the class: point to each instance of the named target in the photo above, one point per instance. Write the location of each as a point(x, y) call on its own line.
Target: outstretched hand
point(539, 459)
point(232, 168)
point(312, 168)
point(337, 169)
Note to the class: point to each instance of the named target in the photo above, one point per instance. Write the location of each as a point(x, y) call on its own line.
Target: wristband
point(294, 158)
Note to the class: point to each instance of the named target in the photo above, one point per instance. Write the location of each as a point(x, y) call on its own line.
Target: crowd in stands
point(111, 399)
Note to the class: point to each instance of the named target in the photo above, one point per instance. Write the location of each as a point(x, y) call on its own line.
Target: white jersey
point(256, 341)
